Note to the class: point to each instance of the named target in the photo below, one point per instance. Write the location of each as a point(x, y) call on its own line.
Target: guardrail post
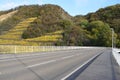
point(15, 49)
point(32, 48)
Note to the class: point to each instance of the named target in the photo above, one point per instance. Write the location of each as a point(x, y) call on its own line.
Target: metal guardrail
point(29, 49)
point(4, 49)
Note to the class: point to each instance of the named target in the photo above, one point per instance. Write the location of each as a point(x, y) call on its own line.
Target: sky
point(73, 7)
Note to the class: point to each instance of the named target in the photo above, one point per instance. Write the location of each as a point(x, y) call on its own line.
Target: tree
point(75, 36)
point(101, 33)
point(65, 24)
point(84, 23)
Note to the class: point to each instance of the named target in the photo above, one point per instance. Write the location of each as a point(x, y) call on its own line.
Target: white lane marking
point(8, 60)
point(31, 54)
point(24, 56)
point(16, 58)
point(21, 56)
point(46, 62)
point(41, 63)
point(13, 59)
point(28, 55)
point(67, 57)
point(64, 78)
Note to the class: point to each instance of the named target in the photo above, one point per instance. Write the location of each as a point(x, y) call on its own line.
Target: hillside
point(21, 22)
point(49, 20)
point(14, 36)
point(51, 25)
point(8, 15)
point(110, 15)
point(16, 32)
point(23, 12)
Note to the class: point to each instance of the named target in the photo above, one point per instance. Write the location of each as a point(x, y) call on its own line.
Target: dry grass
point(49, 37)
point(5, 16)
point(13, 36)
point(18, 30)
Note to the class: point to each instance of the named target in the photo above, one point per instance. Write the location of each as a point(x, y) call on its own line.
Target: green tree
point(65, 24)
point(84, 23)
point(101, 33)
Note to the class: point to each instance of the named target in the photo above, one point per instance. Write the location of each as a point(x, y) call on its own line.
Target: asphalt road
point(44, 66)
point(102, 68)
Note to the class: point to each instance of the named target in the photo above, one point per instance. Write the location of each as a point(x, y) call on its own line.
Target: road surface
point(103, 68)
point(47, 65)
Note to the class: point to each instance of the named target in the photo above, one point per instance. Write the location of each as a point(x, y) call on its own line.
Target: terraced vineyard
point(17, 31)
point(13, 36)
point(49, 37)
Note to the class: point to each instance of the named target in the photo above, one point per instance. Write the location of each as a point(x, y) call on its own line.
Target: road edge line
point(80, 68)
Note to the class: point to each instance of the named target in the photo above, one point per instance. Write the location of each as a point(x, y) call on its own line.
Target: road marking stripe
point(67, 57)
point(46, 62)
point(19, 57)
point(8, 60)
point(64, 78)
point(41, 63)
point(27, 55)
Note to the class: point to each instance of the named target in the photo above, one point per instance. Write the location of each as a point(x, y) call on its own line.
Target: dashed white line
point(8, 60)
point(41, 63)
point(21, 56)
point(67, 57)
point(46, 62)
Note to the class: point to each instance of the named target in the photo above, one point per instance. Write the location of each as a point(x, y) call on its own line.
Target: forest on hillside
point(93, 29)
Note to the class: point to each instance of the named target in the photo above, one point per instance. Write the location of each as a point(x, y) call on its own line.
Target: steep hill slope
point(17, 31)
point(110, 15)
point(6, 16)
point(23, 12)
point(14, 36)
point(48, 16)
point(49, 20)
point(51, 25)
point(45, 40)
point(43, 29)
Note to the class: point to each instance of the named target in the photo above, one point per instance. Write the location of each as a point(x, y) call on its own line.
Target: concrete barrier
point(116, 55)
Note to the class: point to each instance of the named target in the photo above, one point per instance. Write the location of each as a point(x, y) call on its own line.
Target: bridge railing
point(29, 49)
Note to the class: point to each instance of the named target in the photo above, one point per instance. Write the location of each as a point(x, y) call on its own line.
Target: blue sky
point(73, 7)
